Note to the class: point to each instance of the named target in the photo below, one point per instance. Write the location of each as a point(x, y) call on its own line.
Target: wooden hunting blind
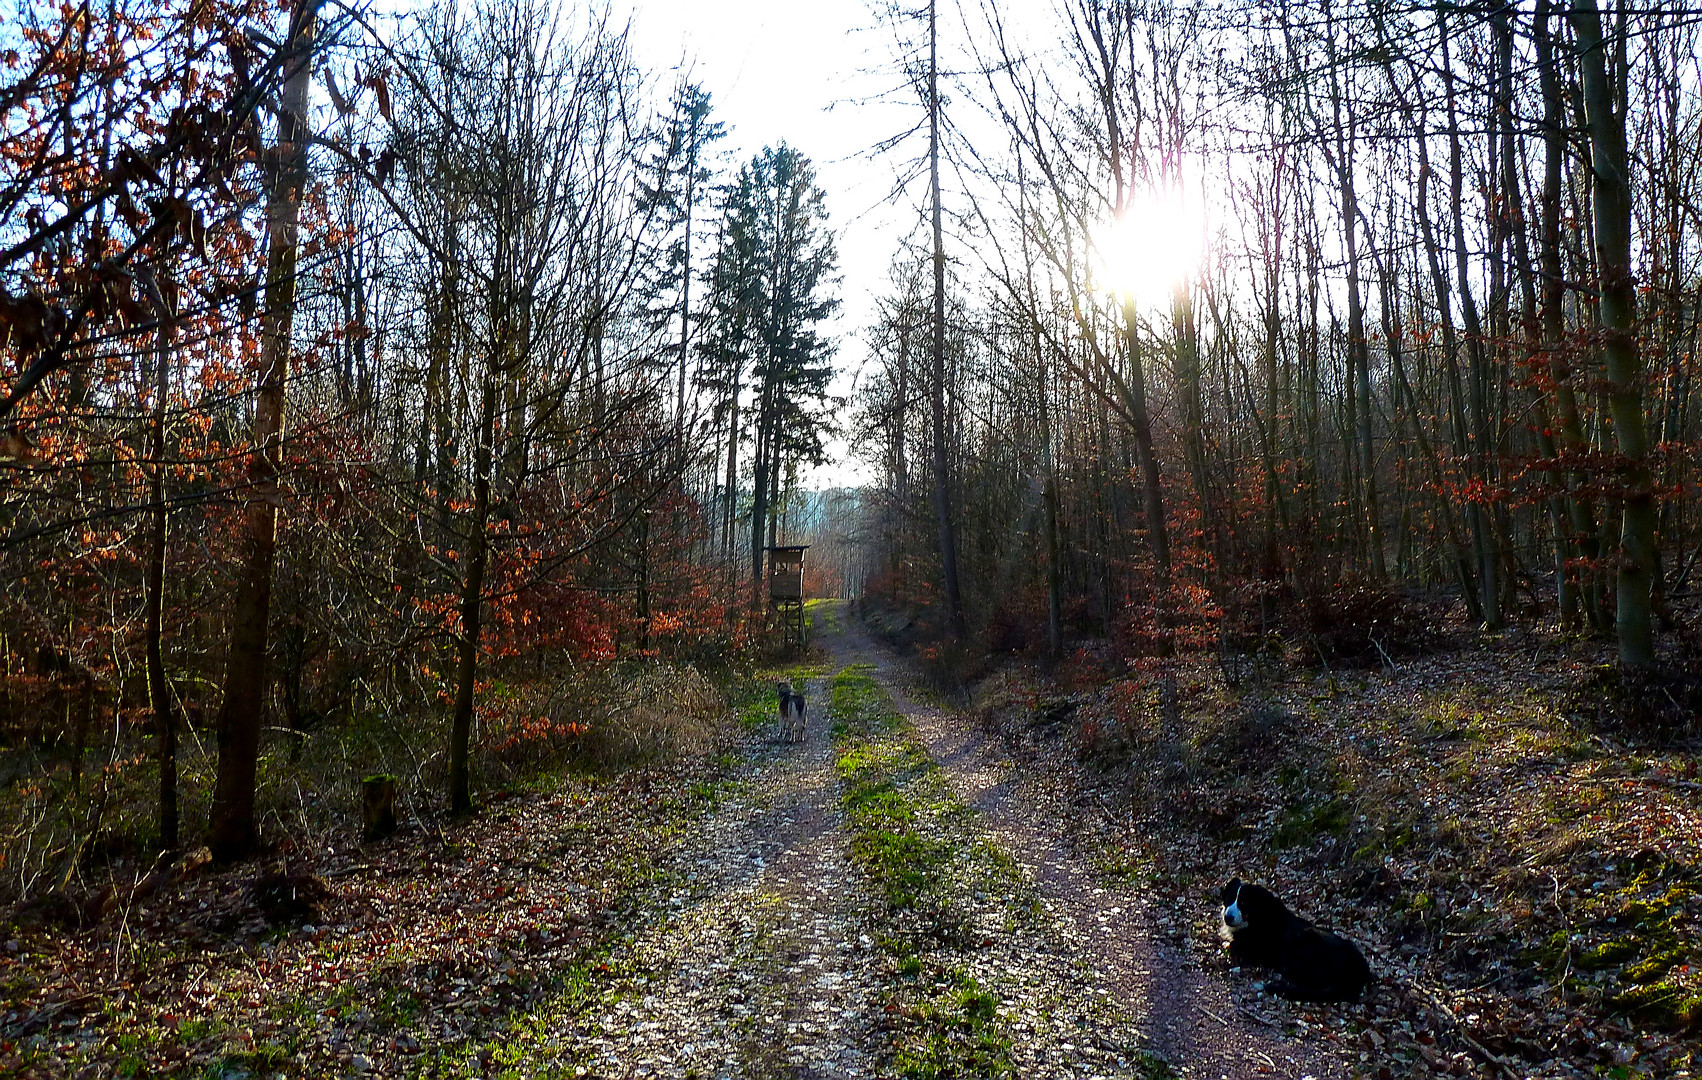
point(786, 572)
point(786, 586)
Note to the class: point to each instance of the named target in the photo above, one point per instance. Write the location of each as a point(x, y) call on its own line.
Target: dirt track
point(767, 961)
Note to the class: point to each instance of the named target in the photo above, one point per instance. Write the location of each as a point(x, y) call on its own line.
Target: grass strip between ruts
point(947, 1025)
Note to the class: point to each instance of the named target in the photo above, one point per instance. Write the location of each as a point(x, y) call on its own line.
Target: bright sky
point(785, 70)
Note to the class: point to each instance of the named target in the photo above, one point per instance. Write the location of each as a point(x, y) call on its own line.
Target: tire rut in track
point(763, 966)
point(1187, 1018)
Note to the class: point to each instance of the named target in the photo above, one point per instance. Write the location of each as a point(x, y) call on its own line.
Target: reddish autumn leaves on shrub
point(347, 392)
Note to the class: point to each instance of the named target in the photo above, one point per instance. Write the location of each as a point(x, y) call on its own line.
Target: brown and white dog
point(791, 713)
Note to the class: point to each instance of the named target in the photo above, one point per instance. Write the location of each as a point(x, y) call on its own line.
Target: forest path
point(774, 947)
point(1126, 955)
point(764, 965)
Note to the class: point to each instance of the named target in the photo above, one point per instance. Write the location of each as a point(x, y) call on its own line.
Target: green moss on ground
point(948, 1025)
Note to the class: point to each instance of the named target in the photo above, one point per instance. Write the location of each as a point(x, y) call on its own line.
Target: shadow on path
point(1190, 1019)
point(763, 967)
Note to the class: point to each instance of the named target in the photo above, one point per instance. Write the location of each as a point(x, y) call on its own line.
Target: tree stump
point(378, 806)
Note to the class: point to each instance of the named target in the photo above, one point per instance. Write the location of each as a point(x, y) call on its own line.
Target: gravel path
point(1188, 1018)
point(774, 957)
point(764, 966)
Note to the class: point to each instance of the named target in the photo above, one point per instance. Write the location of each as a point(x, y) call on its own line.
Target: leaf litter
point(715, 919)
point(1522, 875)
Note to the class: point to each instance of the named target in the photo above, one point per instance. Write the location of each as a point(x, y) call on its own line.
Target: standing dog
point(791, 714)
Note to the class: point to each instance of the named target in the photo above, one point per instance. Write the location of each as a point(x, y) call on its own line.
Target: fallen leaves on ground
point(1528, 884)
point(421, 948)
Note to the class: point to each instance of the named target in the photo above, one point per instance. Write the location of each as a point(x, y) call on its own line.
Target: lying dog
point(791, 713)
point(1312, 964)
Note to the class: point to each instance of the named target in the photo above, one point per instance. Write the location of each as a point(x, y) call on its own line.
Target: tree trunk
point(642, 598)
point(1054, 578)
point(232, 834)
point(759, 492)
point(729, 507)
point(1580, 510)
point(942, 455)
point(472, 602)
point(378, 807)
point(1275, 511)
point(159, 690)
point(901, 462)
point(1611, 213)
point(1488, 568)
point(1513, 202)
point(685, 294)
point(1186, 342)
point(1464, 567)
point(1054, 574)
point(1358, 350)
point(1158, 538)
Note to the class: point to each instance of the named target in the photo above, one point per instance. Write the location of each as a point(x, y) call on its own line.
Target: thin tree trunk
point(1275, 510)
point(1158, 538)
point(1465, 568)
point(1358, 350)
point(232, 834)
point(472, 602)
point(1186, 336)
point(731, 494)
point(759, 490)
point(774, 504)
point(1489, 577)
point(1611, 212)
point(901, 463)
point(159, 690)
point(1054, 576)
point(942, 455)
point(1512, 198)
point(685, 294)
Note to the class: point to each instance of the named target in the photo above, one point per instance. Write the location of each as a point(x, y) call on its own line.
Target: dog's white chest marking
point(1232, 916)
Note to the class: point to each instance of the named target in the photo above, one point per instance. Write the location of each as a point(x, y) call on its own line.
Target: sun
point(1154, 246)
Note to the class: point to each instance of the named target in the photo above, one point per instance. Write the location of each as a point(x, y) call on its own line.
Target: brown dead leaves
point(378, 957)
point(1520, 878)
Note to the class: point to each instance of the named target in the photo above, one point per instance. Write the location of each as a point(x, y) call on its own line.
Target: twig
point(1567, 923)
point(1483, 1051)
point(1393, 668)
point(52, 1007)
point(1261, 1019)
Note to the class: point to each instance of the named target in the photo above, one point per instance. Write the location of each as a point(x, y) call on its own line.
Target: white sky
point(801, 72)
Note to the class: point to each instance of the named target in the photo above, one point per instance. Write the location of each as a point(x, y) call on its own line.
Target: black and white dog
point(791, 713)
point(1311, 964)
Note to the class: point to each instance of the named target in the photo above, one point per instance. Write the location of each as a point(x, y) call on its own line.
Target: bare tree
point(232, 829)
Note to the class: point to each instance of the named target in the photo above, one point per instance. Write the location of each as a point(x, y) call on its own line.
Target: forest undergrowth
point(422, 953)
point(1523, 868)
point(81, 817)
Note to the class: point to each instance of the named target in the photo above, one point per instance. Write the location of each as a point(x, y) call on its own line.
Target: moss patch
point(955, 1034)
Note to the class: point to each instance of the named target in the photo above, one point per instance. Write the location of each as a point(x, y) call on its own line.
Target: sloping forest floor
point(1523, 869)
point(1023, 887)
